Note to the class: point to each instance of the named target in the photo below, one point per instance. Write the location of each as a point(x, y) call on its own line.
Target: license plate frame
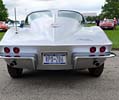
point(54, 58)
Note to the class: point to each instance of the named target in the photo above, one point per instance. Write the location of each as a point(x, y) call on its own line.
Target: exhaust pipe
point(13, 63)
point(96, 63)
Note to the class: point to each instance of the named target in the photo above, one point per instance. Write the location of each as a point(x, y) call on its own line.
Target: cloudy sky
point(25, 6)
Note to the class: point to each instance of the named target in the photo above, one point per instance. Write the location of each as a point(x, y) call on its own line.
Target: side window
point(71, 14)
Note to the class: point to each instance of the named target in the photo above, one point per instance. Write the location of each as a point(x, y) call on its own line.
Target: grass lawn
point(1, 35)
point(112, 34)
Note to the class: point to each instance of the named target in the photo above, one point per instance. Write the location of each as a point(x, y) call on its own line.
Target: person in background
point(115, 22)
point(97, 21)
point(105, 19)
point(118, 21)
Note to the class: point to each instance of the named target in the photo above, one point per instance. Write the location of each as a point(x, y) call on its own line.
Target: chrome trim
point(3, 57)
point(86, 61)
point(107, 55)
point(24, 61)
point(74, 61)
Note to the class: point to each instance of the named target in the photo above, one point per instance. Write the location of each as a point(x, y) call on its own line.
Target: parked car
point(107, 24)
point(3, 26)
point(55, 40)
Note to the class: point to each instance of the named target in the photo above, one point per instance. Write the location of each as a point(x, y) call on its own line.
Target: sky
point(23, 7)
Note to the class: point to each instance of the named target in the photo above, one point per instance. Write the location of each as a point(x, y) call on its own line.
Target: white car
point(55, 40)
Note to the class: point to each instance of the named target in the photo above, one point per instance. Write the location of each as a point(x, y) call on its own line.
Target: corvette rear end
point(55, 40)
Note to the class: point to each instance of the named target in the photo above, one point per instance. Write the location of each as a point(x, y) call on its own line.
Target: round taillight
point(102, 49)
point(6, 50)
point(16, 50)
point(93, 49)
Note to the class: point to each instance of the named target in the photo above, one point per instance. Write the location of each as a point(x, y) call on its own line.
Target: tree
point(110, 9)
point(3, 12)
point(92, 18)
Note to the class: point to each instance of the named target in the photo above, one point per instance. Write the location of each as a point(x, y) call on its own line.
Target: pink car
point(107, 24)
point(3, 26)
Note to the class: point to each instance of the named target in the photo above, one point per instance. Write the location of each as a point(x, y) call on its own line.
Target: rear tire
point(14, 72)
point(96, 72)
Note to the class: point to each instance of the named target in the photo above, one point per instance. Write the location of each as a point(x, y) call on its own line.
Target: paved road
point(62, 85)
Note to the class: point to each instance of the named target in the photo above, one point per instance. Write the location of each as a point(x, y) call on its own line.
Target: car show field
point(114, 37)
point(59, 50)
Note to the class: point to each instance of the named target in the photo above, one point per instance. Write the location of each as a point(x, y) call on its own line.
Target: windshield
point(54, 15)
point(108, 20)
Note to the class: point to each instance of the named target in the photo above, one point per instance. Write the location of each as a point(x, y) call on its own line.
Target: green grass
point(112, 34)
point(1, 35)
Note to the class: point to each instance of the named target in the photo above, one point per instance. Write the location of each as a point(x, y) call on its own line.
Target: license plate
point(54, 58)
point(106, 27)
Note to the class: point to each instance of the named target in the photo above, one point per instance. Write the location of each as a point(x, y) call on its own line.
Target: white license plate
point(106, 27)
point(54, 58)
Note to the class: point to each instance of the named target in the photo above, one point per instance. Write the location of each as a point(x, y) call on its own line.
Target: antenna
point(15, 21)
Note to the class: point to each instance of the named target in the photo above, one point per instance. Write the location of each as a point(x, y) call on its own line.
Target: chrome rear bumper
point(90, 61)
point(107, 55)
point(23, 61)
point(31, 61)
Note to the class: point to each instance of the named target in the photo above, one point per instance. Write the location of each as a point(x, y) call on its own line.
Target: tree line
point(109, 10)
point(3, 12)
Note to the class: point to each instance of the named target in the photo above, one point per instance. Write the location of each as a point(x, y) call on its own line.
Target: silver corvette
point(55, 40)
